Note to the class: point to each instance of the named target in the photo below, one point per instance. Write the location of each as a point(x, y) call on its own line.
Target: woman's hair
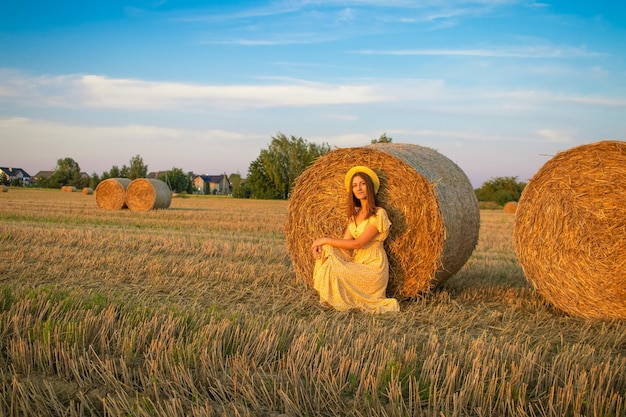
point(354, 203)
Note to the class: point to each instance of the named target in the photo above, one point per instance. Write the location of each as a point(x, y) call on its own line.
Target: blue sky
point(497, 86)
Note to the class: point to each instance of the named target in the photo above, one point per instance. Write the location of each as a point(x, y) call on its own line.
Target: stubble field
point(196, 311)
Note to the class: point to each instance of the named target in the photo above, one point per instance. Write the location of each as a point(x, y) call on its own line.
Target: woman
point(357, 280)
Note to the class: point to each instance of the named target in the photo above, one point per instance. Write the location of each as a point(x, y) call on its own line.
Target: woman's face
point(359, 188)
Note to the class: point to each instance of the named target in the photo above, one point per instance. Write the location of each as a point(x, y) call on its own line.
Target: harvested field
point(196, 311)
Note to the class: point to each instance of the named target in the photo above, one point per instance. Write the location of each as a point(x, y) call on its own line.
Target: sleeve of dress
point(381, 221)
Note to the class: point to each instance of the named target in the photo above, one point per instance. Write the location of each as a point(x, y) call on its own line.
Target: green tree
point(137, 168)
point(259, 182)
point(272, 174)
point(67, 172)
point(94, 180)
point(501, 190)
point(383, 139)
point(114, 172)
point(237, 186)
point(177, 180)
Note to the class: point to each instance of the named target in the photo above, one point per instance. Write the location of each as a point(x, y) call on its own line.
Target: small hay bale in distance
point(68, 188)
point(570, 230)
point(87, 190)
point(145, 194)
point(111, 193)
point(429, 199)
point(4, 189)
point(510, 207)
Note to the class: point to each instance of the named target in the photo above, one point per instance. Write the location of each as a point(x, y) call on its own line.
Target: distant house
point(212, 184)
point(156, 174)
point(16, 174)
point(43, 175)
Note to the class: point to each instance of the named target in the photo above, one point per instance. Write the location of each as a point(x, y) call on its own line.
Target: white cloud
point(556, 136)
point(98, 91)
point(530, 96)
point(98, 148)
point(509, 52)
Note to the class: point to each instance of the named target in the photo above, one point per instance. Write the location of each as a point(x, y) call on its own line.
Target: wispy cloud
point(509, 52)
point(314, 21)
point(530, 96)
point(274, 40)
point(97, 148)
point(97, 91)
point(556, 136)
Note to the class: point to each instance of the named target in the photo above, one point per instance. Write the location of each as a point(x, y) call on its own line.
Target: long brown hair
point(354, 203)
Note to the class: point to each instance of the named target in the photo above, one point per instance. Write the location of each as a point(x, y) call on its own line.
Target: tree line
point(270, 176)
point(68, 173)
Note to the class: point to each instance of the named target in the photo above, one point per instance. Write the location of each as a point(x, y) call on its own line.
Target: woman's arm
point(347, 242)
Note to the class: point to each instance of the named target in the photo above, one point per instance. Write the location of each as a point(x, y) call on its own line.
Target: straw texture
point(570, 230)
point(430, 202)
point(145, 194)
point(110, 193)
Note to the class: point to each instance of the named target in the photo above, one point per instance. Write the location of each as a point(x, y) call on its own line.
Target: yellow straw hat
point(364, 170)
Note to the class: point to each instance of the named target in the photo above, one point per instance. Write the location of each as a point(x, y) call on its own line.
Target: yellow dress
point(358, 281)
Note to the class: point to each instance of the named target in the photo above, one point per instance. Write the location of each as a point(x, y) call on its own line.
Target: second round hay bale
point(570, 230)
point(510, 207)
point(429, 199)
point(145, 194)
point(111, 193)
point(87, 190)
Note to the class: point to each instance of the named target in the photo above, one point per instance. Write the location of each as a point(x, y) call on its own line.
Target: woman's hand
point(316, 247)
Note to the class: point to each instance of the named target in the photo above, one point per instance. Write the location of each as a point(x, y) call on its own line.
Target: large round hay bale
point(429, 199)
point(111, 193)
point(510, 207)
point(570, 230)
point(145, 194)
point(87, 190)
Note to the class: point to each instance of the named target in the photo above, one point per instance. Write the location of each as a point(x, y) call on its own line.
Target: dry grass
point(196, 311)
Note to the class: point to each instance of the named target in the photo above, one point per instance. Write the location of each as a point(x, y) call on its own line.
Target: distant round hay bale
point(145, 194)
point(68, 189)
point(4, 189)
point(111, 193)
point(569, 230)
point(429, 199)
point(510, 207)
point(87, 190)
